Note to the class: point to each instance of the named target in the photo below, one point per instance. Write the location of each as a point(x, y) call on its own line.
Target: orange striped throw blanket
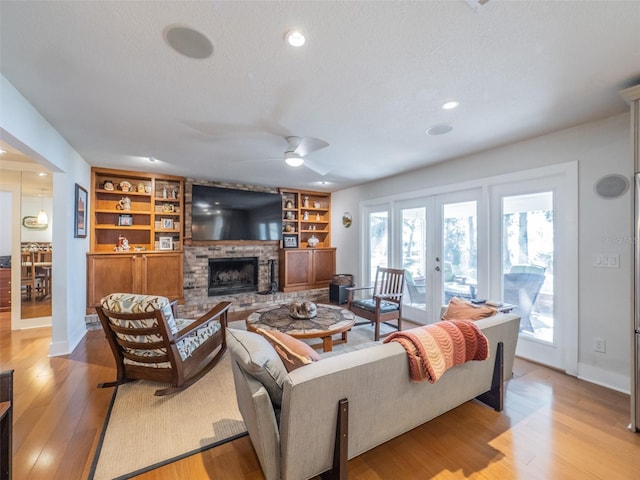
point(434, 348)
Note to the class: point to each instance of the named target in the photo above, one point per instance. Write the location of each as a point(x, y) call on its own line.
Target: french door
point(510, 239)
point(533, 227)
point(438, 235)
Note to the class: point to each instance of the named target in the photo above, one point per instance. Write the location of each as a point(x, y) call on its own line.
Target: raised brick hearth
point(196, 280)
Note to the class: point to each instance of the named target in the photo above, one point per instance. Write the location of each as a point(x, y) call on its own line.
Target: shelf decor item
point(125, 220)
point(290, 241)
point(313, 241)
point(167, 223)
point(166, 243)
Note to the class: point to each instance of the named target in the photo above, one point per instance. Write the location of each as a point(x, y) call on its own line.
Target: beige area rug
point(143, 432)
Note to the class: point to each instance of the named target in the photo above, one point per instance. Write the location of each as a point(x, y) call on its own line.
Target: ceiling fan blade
point(308, 145)
point(317, 167)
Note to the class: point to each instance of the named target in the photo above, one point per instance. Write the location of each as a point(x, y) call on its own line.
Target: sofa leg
point(339, 470)
point(495, 397)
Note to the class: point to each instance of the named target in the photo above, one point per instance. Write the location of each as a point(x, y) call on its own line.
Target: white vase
point(313, 241)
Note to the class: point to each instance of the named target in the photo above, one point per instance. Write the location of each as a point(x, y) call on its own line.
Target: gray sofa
point(298, 440)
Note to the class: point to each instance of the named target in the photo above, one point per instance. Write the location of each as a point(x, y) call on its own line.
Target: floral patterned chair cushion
point(132, 303)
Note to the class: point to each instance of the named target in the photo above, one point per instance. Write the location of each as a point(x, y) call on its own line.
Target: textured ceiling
point(369, 81)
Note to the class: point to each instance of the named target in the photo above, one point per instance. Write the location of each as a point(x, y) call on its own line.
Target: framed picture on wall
point(80, 212)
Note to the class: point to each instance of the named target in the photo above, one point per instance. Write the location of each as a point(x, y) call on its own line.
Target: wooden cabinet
point(136, 225)
point(306, 268)
point(153, 273)
point(5, 289)
point(136, 211)
point(306, 214)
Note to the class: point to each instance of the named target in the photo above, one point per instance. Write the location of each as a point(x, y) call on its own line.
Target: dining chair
point(384, 304)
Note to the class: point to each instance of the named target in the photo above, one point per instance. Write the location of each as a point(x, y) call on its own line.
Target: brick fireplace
point(232, 275)
point(197, 299)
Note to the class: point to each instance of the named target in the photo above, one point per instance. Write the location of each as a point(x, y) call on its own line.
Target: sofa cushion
point(293, 352)
point(255, 355)
point(459, 309)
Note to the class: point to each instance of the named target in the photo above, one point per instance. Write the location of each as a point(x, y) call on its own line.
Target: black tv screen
point(228, 214)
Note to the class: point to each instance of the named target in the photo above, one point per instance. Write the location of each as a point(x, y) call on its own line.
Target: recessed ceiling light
point(450, 105)
point(295, 38)
point(439, 129)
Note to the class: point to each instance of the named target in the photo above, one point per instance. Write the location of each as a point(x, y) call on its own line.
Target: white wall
point(25, 129)
point(5, 219)
point(605, 226)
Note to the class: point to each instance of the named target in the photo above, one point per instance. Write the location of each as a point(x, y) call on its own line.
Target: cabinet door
point(324, 267)
point(163, 275)
point(108, 274)
point(296, 269)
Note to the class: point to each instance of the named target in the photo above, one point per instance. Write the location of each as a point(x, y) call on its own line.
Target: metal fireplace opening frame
point(232, 275)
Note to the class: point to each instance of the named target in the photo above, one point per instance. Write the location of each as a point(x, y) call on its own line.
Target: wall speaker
point(612, 186)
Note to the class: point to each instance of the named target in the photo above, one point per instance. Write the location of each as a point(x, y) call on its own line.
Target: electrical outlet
point(600, 345)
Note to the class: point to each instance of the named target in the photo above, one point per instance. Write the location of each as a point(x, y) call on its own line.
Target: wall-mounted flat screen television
point(229, 214)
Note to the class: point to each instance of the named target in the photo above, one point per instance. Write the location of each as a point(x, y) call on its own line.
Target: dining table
point(38, 273)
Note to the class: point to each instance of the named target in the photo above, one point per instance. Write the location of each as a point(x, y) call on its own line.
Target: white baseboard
point(604, 378)
point(57, 349)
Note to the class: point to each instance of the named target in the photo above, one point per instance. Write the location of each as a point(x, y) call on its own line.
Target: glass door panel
point(527, 261)
point(414, 247)
point(460, 248)
point(378, 243)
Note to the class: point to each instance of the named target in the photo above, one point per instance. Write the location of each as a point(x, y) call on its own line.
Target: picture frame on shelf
point(290, 241)
point(125, 220)
point(167, 223)
point(81, 219)
point(166, 243)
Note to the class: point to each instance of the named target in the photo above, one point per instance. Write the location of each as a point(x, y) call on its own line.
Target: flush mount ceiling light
point(439, 129)
point(450, 105)
point(293, 159)
point(295, 38)
point(188, 42)
point(152, 159)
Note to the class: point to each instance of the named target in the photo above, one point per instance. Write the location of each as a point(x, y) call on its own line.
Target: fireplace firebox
point(233, 275)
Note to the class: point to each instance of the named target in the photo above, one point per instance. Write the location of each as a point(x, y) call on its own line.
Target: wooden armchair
point(149, 343)
point(385, 303)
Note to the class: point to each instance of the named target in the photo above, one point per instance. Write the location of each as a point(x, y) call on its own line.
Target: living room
point(599, 301)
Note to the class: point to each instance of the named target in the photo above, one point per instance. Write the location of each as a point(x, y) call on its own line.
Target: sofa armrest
point(259, 417)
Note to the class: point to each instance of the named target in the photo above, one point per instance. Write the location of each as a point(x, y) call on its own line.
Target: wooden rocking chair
point(149, 343)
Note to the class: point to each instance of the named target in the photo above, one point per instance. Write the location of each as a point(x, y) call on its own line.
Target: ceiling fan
point(299, 147)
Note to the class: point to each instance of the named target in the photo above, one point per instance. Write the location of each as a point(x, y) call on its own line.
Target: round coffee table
point(330, 321)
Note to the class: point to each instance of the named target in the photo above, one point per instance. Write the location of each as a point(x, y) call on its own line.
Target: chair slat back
point(141, 337)
point(389, 281)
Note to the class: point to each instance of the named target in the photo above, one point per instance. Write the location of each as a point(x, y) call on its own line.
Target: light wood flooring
point(553, 427)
